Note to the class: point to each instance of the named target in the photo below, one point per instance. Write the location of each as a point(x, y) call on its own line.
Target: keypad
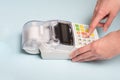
point(80, 30)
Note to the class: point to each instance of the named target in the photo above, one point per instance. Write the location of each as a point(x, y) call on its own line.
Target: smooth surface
point(17, 65)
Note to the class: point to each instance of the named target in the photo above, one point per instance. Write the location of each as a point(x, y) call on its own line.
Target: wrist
point(117, 34)
point(114, 38)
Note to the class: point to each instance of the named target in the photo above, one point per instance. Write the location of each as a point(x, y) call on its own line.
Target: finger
point(100, 24)
point(82, 56)
point(89, 59)
point(93, 58)
point(80, 51)
point(108, 22)
point(100, 15)
point(94, 14)
point(96, 9)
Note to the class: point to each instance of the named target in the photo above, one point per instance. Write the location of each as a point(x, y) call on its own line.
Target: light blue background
point(17, 65)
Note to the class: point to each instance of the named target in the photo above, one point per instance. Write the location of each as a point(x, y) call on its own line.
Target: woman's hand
point(105, 9)
point(104, 48)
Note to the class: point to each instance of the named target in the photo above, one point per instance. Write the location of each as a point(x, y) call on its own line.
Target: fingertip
point(91, 29)
point(74, 60)
point(72, 54)
point(88, 34)
point(85, 35)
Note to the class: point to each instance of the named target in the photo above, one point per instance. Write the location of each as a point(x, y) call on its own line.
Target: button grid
point(80, 30)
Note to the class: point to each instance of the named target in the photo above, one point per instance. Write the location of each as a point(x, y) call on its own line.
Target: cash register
point(55, 39)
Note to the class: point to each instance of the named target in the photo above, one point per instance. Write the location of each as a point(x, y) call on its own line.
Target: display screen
point(63, 32)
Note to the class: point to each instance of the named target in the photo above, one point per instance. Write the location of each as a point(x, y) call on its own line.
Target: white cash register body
point(54, 39)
